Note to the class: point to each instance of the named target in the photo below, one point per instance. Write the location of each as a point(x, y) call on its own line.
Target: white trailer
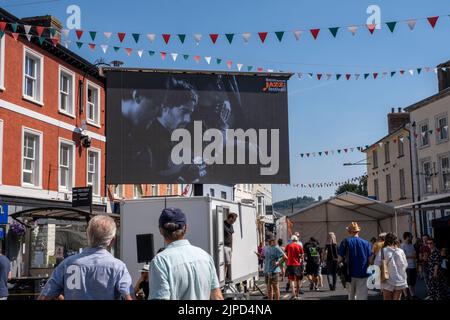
point(205, 217)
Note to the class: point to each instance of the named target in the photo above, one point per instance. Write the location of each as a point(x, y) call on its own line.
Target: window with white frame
point(2, 63)
point(118, 191)
point(401, 174)
point(387, 157)
point(426, 173)
point(66, 163)
point(31, 158)
point(93, 105)
point(33, 76)
point(137, 191)
point(424, 141)
point(388, 188)
point(66, 92)
point(375, 159)
point(169, 189)
point(223, 195)
point(444, 164)
point(376, 189)
point(442, 128)
point(154, 190)
point(93, 171)
point(211, 192)
point(401, 146)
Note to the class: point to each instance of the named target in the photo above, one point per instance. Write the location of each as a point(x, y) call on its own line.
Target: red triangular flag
point(402, 72)
point(319, 76)
point(375, 75)
point(15, 35)
point(2, 26)
point(348, 76)
point(78, 32)
point(121, 36)
point(371, 27)
point(40, 30)
point(262, 36)
point(229, 64)
point(128, 50)
point(166, 38)
point(197, 59)
point(214, 37)
point(260, 69)
point(326, 152)
point(433, 21)
point(92, 46)
point(163, 55)
point(55, 41)
point(315, 33)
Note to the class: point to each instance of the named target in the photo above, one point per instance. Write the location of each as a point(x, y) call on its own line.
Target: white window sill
point(64, 190)
point(71, 115)
point(93, 124)
point(31, 186)
point(32, 100)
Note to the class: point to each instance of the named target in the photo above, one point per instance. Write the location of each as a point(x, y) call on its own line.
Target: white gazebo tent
point(334, 214)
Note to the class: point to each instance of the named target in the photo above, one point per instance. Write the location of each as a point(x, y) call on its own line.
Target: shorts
point(411, 276)
point(272, 277)
point(389, 287)
point(227, 252)
point(312, 269)
point(294, 273)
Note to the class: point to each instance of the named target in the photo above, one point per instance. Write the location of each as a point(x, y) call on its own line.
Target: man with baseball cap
point(294, 252)
point(356, 253)
point(182, 271)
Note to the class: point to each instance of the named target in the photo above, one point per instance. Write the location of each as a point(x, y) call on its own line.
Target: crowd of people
point(400, 264)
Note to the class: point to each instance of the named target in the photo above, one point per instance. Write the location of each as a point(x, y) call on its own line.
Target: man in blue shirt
point(182, 271)
point(5, 275)
point(357, 251)
point(93, 274)
point(272, 259)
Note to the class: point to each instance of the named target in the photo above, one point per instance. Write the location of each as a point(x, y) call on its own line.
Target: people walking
point(5, 275)
point(94, 274)
point(330, 256)
point(396, 263)
point(356, 252)
point(142, 284)
point(228, 242)
point(313, 261)
point(411, 271)
point(294, 253)
point(436, 281)
point(273, 257)
point(182, 271)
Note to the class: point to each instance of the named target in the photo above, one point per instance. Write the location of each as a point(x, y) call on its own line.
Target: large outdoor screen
point(186, 127)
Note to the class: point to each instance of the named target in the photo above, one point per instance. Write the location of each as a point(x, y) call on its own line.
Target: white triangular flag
point(297, 34)
point(140, 52)
point(197, 38)
point(411, 24)
point(28, 37)
point(174, 56)
point(208, 60)
point(151, 37)
point(104, 47)
point(357, 76)
point(300, 75)
point(269, 70)
point(65, 32)
point(310, 75)
point(27, 29)
point(107, 35)
point(411, 72)
point(384, 74)
point(67, 43)
point(353, 29)
point(246, 36)
point(239, 66)
point(402, 139)
point(329, 76)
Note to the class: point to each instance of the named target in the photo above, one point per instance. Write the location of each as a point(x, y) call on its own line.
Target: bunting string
point(329, 184)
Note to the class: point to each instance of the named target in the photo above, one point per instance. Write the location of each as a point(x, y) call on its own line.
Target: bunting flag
point(333, 152)
point(229, 37)
point(27, 29)
point(353, 29)
point(197, 59)
point(327, 184)
point(334, 31)
point(239, 66)
point(412, 24)
point(78, 32)
point(65, 32)
point(55, 41)
point(197, 38)
point(92, 46)
point(298, 34)
point(107, 35)
point(128, 51)
point(151, 37)
point(163, 55)
point(140, 53)
point(262, 36)
point(279, 35)
point(174, 56)
point(246, 36)
point(93, 34)
point(15, 35)
point(213, 38)
point(371, 28)
point(40, 31)
point(208, 60)
point(229, 64)
point(136, 37)
point(2, 26)
point(181, 37)
point(433, 21)
point(315, 33)
point(391, 25)
point(121, 36)
point(104, 47)
point(166, 38)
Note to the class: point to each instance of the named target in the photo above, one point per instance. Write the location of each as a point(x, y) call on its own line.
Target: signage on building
point(201, 128)
point(82, 196)
point(4, 214)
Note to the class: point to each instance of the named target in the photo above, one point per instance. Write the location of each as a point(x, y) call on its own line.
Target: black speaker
point(145, 247)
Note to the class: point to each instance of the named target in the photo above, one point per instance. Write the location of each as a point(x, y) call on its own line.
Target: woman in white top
point(396, 264)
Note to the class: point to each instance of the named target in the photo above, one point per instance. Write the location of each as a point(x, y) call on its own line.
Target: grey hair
point(101, 231)
point(172, 232)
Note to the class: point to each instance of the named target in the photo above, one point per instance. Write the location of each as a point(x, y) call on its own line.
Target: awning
point(434, 202)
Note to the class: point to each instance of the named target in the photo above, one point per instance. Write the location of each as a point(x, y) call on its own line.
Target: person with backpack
point(354, 256)
point(313, 261)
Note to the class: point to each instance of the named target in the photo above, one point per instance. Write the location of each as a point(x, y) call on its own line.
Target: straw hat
point(353, 227)
point(294, 238)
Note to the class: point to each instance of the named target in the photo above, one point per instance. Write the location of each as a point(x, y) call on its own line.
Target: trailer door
point(218, 243)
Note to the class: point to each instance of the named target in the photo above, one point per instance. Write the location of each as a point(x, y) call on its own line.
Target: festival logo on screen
point(274, 85)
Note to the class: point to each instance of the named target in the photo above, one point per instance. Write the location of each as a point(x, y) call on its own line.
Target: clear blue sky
point(322, 115)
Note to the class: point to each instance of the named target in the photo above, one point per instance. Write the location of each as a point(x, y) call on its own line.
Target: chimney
point(396, 120)
point(47, 22)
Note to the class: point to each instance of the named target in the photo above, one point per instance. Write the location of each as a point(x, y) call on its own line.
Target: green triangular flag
point(393, 73)
point(249, 68)
point(185, 56)
point(1, 34)
point(41, 40)
point(116, 49)
point(279, 35)
point(93, 34)
point(366, 75)
point(391, 25)
point(230, 37)
point(338, 76)
point(79, 44)
point(14, 27)
point(218, 60)
point(182, 37)
point(419, 70)
point(136, 37)
point(334, 31)
point(151, 53)
point(53, 32)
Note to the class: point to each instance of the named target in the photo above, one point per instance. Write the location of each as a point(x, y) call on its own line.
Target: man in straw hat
point(356, 253)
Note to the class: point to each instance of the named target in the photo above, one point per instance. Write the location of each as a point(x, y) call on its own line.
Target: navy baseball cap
point(172, 215)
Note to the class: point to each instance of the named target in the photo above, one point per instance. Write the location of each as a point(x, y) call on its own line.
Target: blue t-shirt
point(359, 253)
point(5, 268)
point(93, 274)
point(271, 256)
